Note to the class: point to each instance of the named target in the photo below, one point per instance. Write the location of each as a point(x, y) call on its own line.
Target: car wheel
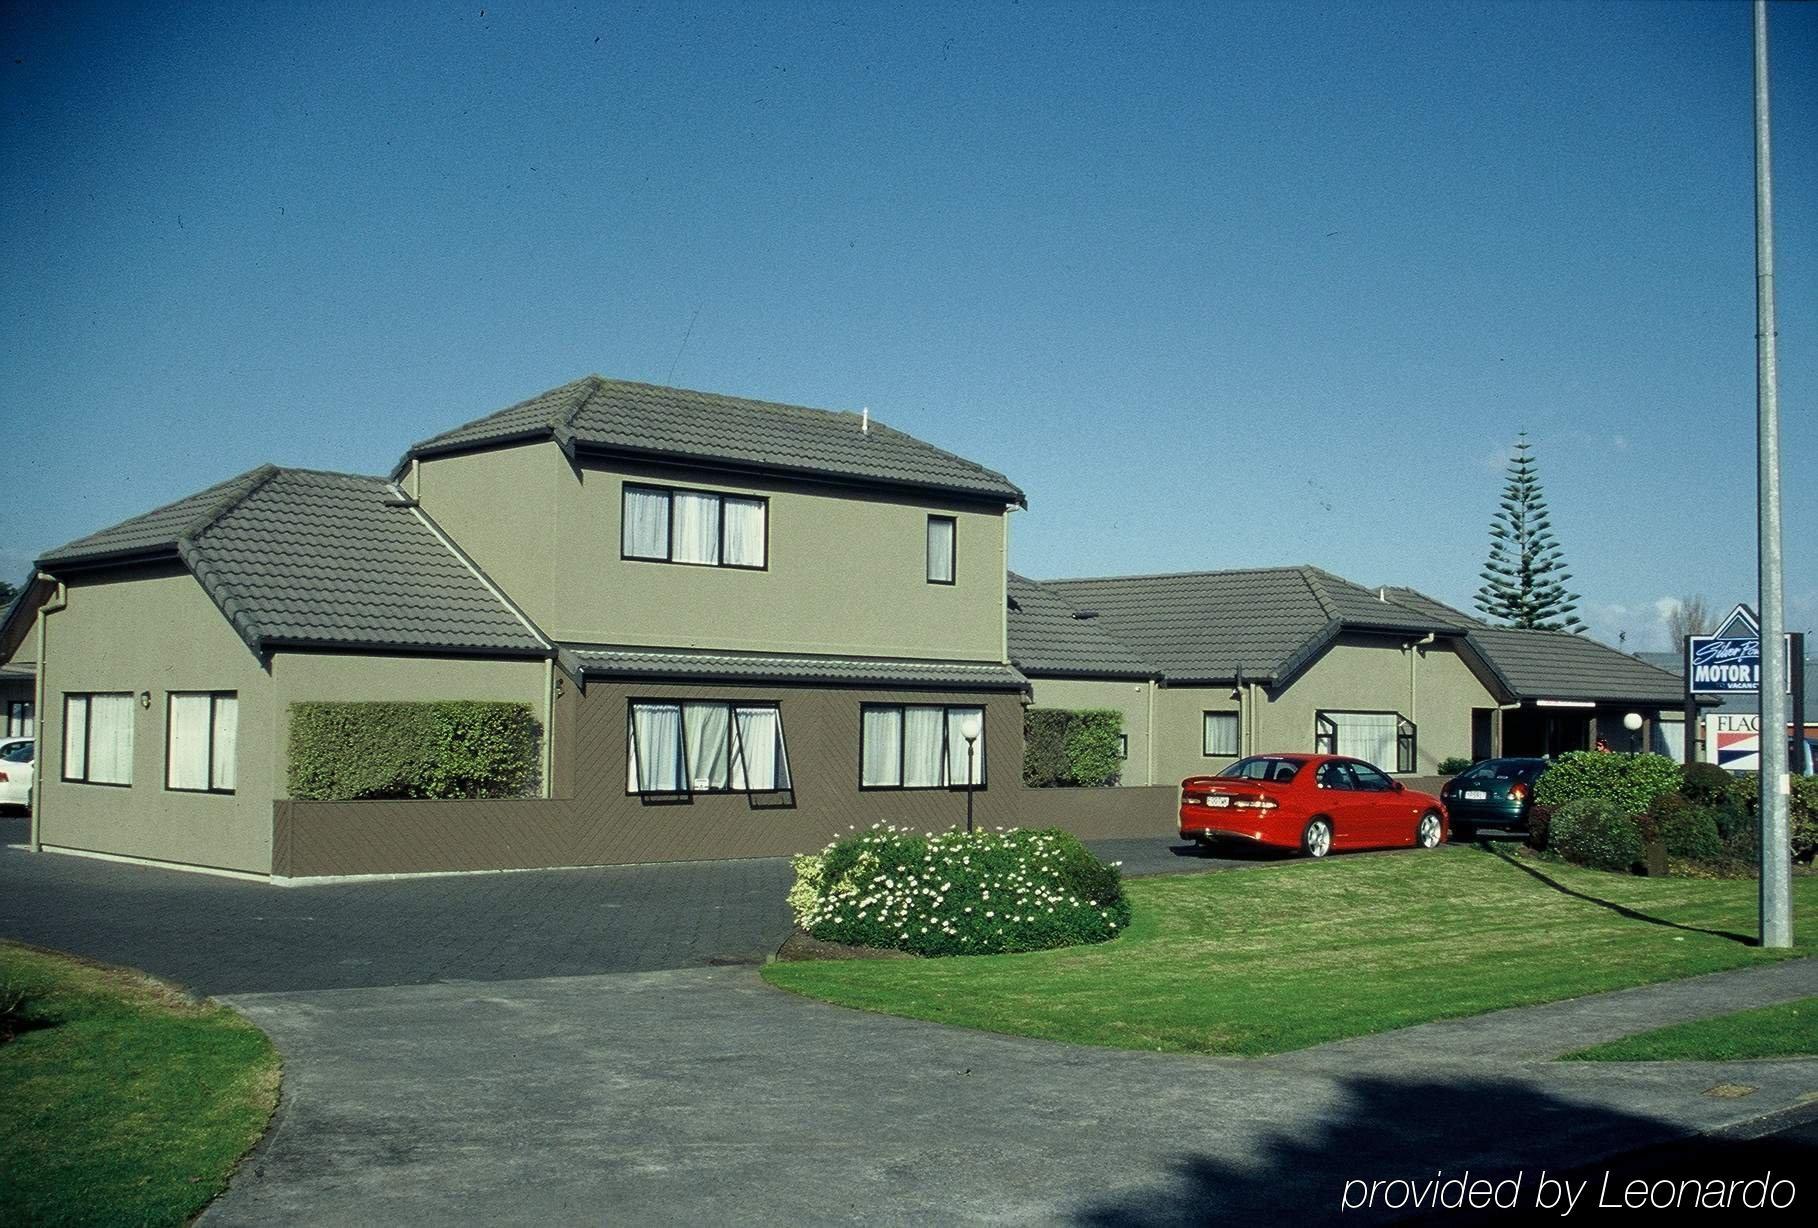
point(1316, 841)
point(1431, 828)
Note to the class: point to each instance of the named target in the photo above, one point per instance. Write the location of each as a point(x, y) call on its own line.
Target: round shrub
point(1540, 822)
point(1630, 782)
point(1595, 833)
point(1707, 784)
point(1688, 829)
point(960, 893)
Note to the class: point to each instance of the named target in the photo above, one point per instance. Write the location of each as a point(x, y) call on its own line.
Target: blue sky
point(1218, 285)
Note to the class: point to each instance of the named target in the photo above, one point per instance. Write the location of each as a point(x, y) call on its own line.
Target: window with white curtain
point(1378, 738)
point(689, 747)
point(919, 746)
point(942, 531)
point(200, 741)
point(19, 722)
point(1219, 735)
point(98, 738)
point(665, 525)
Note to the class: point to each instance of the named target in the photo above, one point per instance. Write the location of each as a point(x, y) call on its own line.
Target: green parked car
point(1494, 793)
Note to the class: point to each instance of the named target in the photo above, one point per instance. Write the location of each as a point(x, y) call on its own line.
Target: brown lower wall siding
point(316, 839)
point(593, 821)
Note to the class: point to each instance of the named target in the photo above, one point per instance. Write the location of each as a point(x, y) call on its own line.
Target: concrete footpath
point(703, 1095)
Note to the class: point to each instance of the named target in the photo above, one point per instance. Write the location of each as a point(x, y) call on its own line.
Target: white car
point(16, 773)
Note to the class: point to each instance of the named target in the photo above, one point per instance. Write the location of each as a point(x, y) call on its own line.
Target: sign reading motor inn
point(1729, 662)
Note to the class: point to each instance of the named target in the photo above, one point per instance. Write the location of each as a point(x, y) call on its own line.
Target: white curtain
point(1220, 733)
point(956, 746)
point(883, 760)
point(227, 739)
point(697, 527)
point(186, 766)
point(922, 729)
point(656, 748)
point(646, 528)
point(762, 763)
point(75, 737)
point(744, 532)
point(707, 737)
point(110, 739)
point(1369, 736)
point(940, 549)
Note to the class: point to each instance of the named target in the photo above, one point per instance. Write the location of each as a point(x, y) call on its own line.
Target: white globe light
point(1632, 722)
point(969, 729)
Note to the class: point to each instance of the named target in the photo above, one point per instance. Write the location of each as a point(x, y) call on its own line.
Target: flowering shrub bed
point(959, 893)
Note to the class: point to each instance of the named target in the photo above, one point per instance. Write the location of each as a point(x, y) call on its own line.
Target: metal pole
point(971, 786)
point(1776, 903)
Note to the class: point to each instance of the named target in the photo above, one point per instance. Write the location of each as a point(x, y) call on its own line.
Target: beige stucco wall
point(154, 631)
point(301, 677)
point(1128, 697)
point(846, 574)
point(1180, 728)
point(1372, 674)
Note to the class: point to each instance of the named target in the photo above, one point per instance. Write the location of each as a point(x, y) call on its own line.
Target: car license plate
point(1217, 799)
point(1475, 795)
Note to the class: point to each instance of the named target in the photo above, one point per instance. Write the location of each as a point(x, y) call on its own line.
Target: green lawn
point(1787, 1030)
point(132, 1105)
point(1264, 960)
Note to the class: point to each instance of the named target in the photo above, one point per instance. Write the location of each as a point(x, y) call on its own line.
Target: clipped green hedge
point(454, 748)
point(1628, 782)
point(1805, 817)
point(1063, 747)
point(1688, 829)
point(1453, 765)
point(1597, 833)
point(959, 893)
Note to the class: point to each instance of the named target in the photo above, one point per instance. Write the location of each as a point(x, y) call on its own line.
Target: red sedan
point(1314, 803)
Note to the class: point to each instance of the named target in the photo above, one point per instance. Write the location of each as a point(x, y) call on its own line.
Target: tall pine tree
point(1524, 578)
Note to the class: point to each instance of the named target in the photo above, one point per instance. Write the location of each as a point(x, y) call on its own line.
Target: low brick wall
point(319, 839)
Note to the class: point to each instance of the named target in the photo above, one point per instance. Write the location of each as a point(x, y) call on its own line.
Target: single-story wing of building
point(1211, 666)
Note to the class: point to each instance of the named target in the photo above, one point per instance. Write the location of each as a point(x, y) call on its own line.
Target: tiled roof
point(1561, 665)
point(1208, 626)
point(296, 556)
point(1048, 637)
point(630, 662)
point(673, 423)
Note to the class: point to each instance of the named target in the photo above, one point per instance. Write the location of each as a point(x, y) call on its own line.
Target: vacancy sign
point(1733, 740)
point(1729, 662)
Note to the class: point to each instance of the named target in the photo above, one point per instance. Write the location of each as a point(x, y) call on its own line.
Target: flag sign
point(1734, 740)
point(1729, 662)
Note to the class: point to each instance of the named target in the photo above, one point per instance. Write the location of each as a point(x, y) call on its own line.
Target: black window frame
point(669, 493)
point(952, 550)
point(1123, 746)
point(214, 697)
point(88, 750)
point(16, 718)
point(902, 740)
point(1205, 749)
point(735, 750)
point(1407, 736)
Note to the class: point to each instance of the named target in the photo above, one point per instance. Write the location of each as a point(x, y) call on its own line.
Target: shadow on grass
point(1621, 910)
point(1390, 1129)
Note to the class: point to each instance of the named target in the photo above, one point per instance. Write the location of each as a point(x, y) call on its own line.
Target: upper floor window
point(668, 525)
point(19, 718)
point(942, 530)
point(203, 733)
point(685, 748)
point(98, 738)
point(912, 746)
point(1380, 738)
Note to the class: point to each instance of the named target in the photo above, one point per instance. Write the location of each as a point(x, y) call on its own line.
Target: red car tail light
point(2, 778)
point(1254, 803)
point(1518, 791)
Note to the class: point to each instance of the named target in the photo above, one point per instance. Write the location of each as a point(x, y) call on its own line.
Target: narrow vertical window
point(941, 533)
point(1219, 737)
point(646, 523)
point(696, 527)
point(882, 734)
point(201, 732)
point(744, 533)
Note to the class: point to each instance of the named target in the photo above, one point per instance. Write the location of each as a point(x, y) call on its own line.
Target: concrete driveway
point(422, 1084)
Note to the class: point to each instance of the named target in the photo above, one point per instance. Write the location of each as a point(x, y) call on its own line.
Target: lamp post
point(1633, 723)
point(969, 730)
